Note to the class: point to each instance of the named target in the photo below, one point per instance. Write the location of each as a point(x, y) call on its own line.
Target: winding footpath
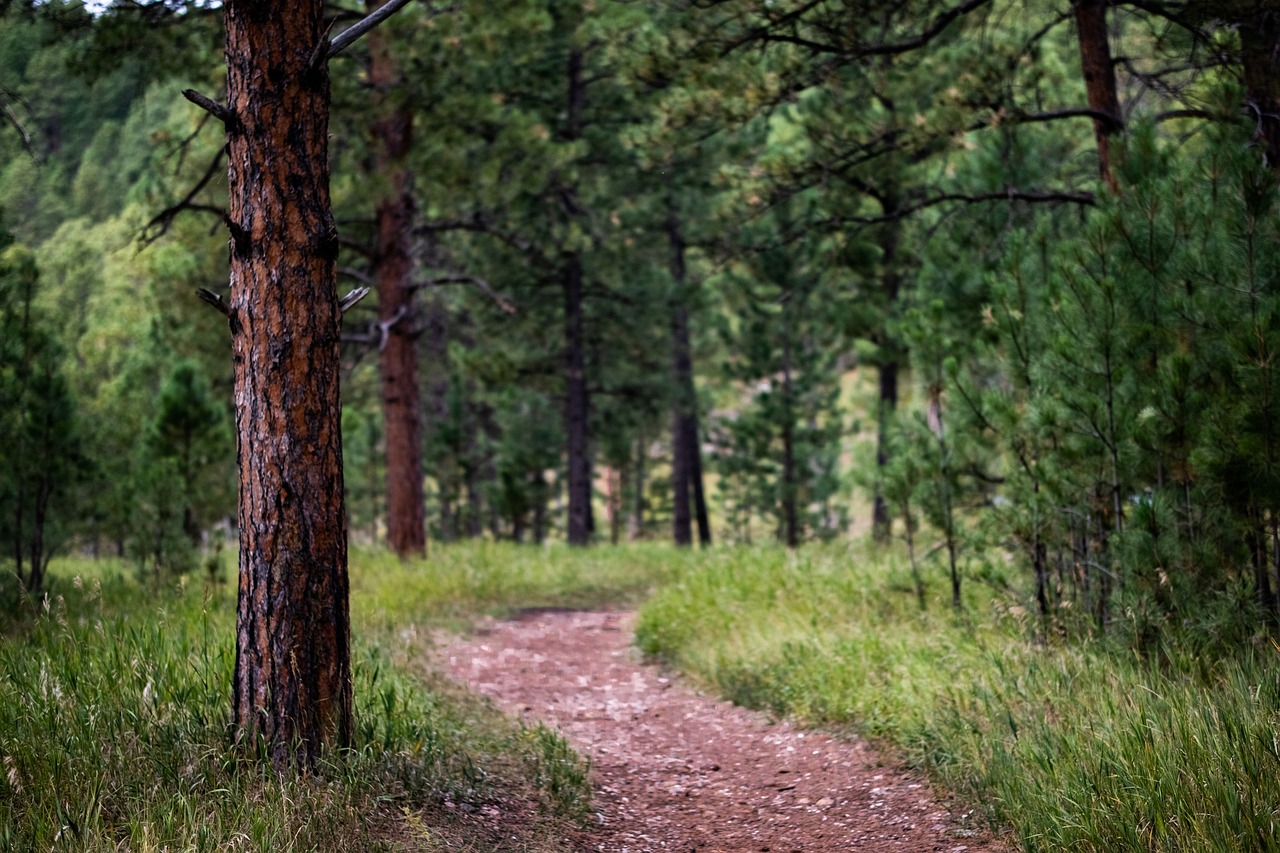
point(675, 770)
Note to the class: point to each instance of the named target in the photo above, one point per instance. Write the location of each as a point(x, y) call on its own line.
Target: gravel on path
point(675, 770)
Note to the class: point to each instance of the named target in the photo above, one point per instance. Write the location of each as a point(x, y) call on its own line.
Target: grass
point(114, 701)
point(457, 582)
point(1075, 746)
point(115, 698)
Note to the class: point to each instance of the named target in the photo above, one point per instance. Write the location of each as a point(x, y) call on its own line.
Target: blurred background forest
point(994, 277)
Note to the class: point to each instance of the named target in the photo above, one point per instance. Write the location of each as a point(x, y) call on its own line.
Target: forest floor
point(676, 770)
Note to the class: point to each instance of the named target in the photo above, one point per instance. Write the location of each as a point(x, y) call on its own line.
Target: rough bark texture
point(393, 271)
point(1099, 78)
point(1260, 58)
point(292, 682)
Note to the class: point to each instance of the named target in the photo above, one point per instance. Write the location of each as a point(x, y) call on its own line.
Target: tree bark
point(1099, 78)
point(393, 270)
point(292, 681)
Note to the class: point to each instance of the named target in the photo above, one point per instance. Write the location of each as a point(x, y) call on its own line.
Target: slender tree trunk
point(540, 498)
point(581, 522)
point(576, 407)
point(890, 356)
point(292, 680)
point(474, 478)
point(435, 341)
point(695, 476)
point(886, 405)
point(1099, 78)
point(686, 462)
point(393, 271)
point(635, 529)
point(18, 555)
point(613, 495)
point(1259, 36)
point(682, 375)
point(790, 514)
point(40, 506)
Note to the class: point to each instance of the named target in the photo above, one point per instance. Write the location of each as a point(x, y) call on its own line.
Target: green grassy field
point(1071, 746)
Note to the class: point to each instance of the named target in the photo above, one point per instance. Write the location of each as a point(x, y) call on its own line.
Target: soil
point(676, 770)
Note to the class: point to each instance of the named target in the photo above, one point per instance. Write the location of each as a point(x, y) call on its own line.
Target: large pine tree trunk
point(292, 682)
point(393, 270)
point(1099, 78)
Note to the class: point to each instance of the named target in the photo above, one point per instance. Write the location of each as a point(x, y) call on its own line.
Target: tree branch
point(208, 297)
point(209, 105)
point(164, 218)
point(348, 36)
point(348, 302)
point(935, 28)
point(12, 118)
point(481, 283)
point(1008, 194)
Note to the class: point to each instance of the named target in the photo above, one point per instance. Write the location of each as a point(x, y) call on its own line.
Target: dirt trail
point(679, 771)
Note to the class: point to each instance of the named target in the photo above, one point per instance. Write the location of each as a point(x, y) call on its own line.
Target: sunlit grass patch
point(455, 582)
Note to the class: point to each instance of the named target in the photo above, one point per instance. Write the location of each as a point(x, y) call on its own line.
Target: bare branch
point(349, 301)
point(13, 119)
point(1170, 115)
point(357, 247)
point(164, 218)
point(208, 297)
point(358, 275)
point(484, 286)
point(479, 224)
point(209, 105)
point(932, 31)
point(384, 328)
point(348, 36)
point(1008, 194)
